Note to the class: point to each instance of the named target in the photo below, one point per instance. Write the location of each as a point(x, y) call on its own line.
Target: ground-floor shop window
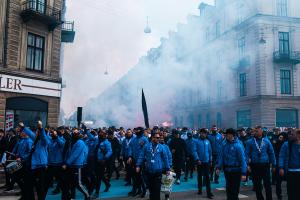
point(286, 118)
point(244, 118)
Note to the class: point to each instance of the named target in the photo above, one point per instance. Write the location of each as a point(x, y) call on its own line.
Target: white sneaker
point(177, 181)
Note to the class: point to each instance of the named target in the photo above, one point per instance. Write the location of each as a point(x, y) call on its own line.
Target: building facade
point(31, 36)
point(259, 42)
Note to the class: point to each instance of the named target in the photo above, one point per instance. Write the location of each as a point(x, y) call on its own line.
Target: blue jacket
point(216, 142)
point(126, 147)
point(190, 146)
point(104, 150)
point(77, 155)
point(266, 155)
point(91, 143)
point(156, 158)
point(22, 148)
point(289, 160)
point(169, 154)
point(232, 157)
point(136, 146)
point(55, 149)
point(202, 151)
point(40, 155)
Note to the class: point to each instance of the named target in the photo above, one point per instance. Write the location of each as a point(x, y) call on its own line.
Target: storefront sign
point(9, 119)
point(29, 86)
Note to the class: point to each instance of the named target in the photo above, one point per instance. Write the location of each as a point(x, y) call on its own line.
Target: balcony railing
point(36, 10)
point(287, 57)
point(67, 32)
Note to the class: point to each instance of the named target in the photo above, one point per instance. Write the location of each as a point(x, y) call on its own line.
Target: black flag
point(145, 112)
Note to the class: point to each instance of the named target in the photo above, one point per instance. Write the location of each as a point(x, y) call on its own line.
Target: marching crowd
point(82, 158)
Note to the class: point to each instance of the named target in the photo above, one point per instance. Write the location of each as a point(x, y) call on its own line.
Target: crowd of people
point(83, 158)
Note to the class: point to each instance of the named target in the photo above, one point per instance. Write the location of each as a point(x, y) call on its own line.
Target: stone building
point(31, 36)
point(259, 41)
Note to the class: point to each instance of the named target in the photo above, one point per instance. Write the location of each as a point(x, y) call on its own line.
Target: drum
point(13, 167)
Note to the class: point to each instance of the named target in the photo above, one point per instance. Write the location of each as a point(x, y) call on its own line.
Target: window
point(241, 46)
point(282, 8)
point(286, 118)
point(207, 120)
point(219, 90)
point(218, 29)
point(244, 118)
point(191, 121)
point(38, 5)
point(199, 121)
point(285, 81)
point(219, 119)
point(35, 52)
point(284, 43)
point(207, 34)
point(243, 85)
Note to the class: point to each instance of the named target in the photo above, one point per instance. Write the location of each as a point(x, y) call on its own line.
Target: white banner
point(29, 86)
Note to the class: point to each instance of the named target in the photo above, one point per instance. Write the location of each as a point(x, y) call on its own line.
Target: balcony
point(286, 57)
point(36, 10)
point(67, 32)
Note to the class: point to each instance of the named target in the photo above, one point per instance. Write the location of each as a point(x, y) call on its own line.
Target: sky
point(109, 36)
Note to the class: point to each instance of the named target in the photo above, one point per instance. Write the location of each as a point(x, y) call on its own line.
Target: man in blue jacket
point(125, 155)
point(75, 160)
point(136, 146)
point(156, 160)
point(232, 160)
point(215, 139)
point(22, 152)
point(289, 164)
point(103, 152)
point(55, 160)
point(190, 162)
point(259, 155)
point(203, 156)
point(38, 160)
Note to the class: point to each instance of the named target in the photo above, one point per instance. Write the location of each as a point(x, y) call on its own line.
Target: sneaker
point(177, 182)
point(56, 191)
point(107, 187)
point(246, 183)
point(9, 190)
point(185, 179)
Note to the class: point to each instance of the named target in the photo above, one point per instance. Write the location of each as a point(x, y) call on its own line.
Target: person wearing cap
point(203, 156)
point(116, 149)
point(135, 148)
point(72, 167)
point(21, 153)
point(232, 160)
point(216, 140)
point(190, 163)
point(103, 152)
point(289, 164)
point(259, 155)
point(155, 158)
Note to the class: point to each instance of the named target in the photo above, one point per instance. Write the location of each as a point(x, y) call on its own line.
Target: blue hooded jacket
point(190, 146)
point(77, 155)
point(232, 157)
point(104, 150)
point(22, 148)
point(266, 155)
point(55, 149)
point(202, 151)
point(169, 154)
point(156, 158)
point(136, 146)
point(289, 160)
point(126, 147)
point(216, 142)
point(40, 155)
